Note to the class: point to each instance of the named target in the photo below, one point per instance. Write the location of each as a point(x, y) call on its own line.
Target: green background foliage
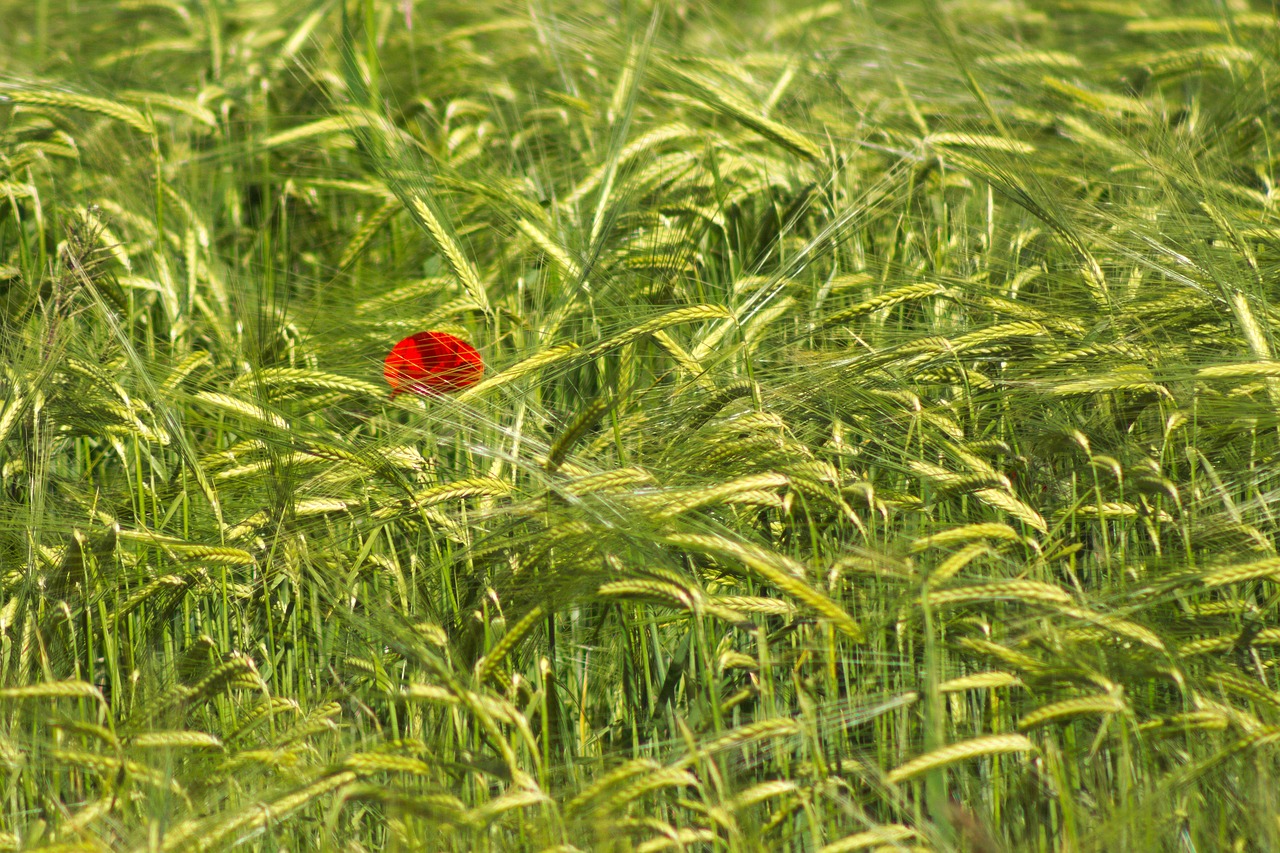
point(877, 448)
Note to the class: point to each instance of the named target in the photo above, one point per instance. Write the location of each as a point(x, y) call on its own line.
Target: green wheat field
point(878, 446)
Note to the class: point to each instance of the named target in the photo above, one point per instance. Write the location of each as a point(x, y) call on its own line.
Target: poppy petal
point(432, 363)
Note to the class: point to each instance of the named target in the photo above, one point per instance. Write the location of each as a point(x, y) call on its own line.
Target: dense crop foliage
point(877, 446)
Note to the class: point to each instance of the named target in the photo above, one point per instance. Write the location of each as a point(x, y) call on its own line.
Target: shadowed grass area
point(877, 447)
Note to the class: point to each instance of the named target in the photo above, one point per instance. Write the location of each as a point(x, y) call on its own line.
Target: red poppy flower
point(432, 363)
